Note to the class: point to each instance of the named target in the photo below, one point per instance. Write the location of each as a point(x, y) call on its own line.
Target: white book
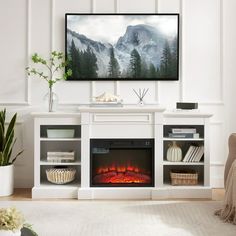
point(56, 159)
point(60, 153)
point(193, 154)
point(188, 153)
point(200, 154)
point(184, 130)
point(194, 157)
point(61, 157)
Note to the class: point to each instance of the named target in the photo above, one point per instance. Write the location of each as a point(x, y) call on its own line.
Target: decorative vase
point(174, 153)
point(10, 233)
point(51, 100)
point(6, 180)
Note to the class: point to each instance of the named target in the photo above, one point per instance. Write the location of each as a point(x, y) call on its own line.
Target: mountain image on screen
point(142, 52)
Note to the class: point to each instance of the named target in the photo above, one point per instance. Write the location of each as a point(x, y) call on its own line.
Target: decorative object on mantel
point(61, 174)
point(7, 143)
point(55, 64)
point(186, 105)
point(12, 221)
point(107, 99)
point(141, 93)
point(174, 153)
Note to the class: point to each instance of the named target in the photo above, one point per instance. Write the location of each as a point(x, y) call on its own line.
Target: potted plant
point(55, 64)
point(12, 221)
point(7, 142)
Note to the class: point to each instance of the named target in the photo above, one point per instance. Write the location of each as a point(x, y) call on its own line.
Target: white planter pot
point(9, 233)
point(6, 180)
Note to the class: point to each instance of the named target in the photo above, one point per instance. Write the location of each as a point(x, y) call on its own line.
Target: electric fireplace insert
point(122, 162)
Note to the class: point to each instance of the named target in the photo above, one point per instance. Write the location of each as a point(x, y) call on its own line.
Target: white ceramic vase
point(10, 233)
point(6, 180)
point(174, 153)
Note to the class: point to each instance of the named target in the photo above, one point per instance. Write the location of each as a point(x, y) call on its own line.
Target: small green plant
point(55, 64)
point(7, 140)
point(13, 220)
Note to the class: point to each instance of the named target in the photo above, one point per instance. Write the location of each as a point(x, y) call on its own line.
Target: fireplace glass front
point(122, 162)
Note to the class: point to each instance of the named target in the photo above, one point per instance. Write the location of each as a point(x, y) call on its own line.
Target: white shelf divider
point(47, 163)
point(179, 163)
point(183, 139)
point(60, 139)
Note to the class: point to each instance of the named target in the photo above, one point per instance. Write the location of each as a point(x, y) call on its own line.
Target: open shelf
point(183, 139)
point(46, 163)
point(172, 163)
point(60, 139)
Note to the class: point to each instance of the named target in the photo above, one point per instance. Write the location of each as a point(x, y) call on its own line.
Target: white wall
point(207, 62)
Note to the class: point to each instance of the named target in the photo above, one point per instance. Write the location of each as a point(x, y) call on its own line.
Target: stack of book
point(194, 154)
point(61, 156)
point(184, 133)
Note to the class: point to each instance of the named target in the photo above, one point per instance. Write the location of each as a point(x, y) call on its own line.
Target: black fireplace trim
point(147, 143)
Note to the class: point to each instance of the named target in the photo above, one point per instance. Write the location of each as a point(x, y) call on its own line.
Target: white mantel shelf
point(55, 114)
point(187, 114)
point(123, 109)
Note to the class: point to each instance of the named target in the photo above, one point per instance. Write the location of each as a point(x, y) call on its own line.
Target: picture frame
point(122, 46)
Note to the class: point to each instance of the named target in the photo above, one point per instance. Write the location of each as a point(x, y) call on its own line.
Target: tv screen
point(122, 46)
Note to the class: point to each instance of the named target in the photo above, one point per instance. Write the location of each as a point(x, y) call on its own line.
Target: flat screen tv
point(122, 46)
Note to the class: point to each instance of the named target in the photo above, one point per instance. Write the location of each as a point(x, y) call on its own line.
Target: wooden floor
point(24, 194)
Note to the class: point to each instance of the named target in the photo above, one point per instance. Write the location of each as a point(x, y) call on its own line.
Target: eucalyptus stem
point(55, 63)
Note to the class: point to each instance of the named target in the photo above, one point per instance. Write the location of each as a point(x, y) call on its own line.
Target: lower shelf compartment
point(199, 169)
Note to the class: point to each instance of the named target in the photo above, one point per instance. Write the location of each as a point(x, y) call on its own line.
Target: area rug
point(126, 218)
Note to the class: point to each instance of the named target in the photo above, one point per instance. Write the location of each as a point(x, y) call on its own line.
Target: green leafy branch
point(54, 64)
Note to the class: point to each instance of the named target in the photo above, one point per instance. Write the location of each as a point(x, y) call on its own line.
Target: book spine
point(59, 159)
point(180, 135)
point(194, 154)
point(60, 153)
point(183, 130)
point(187, 154)
point(200, 154)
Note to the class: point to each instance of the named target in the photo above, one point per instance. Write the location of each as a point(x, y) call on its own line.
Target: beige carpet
point(123, 218)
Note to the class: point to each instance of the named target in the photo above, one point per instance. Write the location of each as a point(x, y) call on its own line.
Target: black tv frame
point(126, 79)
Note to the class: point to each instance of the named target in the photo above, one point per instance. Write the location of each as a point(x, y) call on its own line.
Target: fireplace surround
point(131, 124)
point(122, 162)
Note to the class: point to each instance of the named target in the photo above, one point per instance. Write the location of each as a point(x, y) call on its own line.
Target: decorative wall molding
point(117, 6)
point(27, 100)
point(117, 88)
point(52, 6)
point(181, 92)
point(157, 83)
point(182, 77)
point(156, 5)
point(221, 53)
point(93, 6)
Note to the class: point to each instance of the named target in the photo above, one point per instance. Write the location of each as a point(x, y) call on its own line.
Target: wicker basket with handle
point(183, 177)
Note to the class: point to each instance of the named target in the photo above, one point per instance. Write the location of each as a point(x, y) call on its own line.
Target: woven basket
point(60, 175)
point(189, 177)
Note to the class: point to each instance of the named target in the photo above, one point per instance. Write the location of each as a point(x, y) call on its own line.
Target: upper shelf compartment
point(60, 131)
point(191, 132)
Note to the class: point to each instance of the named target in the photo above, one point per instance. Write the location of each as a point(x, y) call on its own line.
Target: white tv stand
point(125, 122)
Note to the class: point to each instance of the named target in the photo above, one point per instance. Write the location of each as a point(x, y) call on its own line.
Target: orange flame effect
point(121, 174)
